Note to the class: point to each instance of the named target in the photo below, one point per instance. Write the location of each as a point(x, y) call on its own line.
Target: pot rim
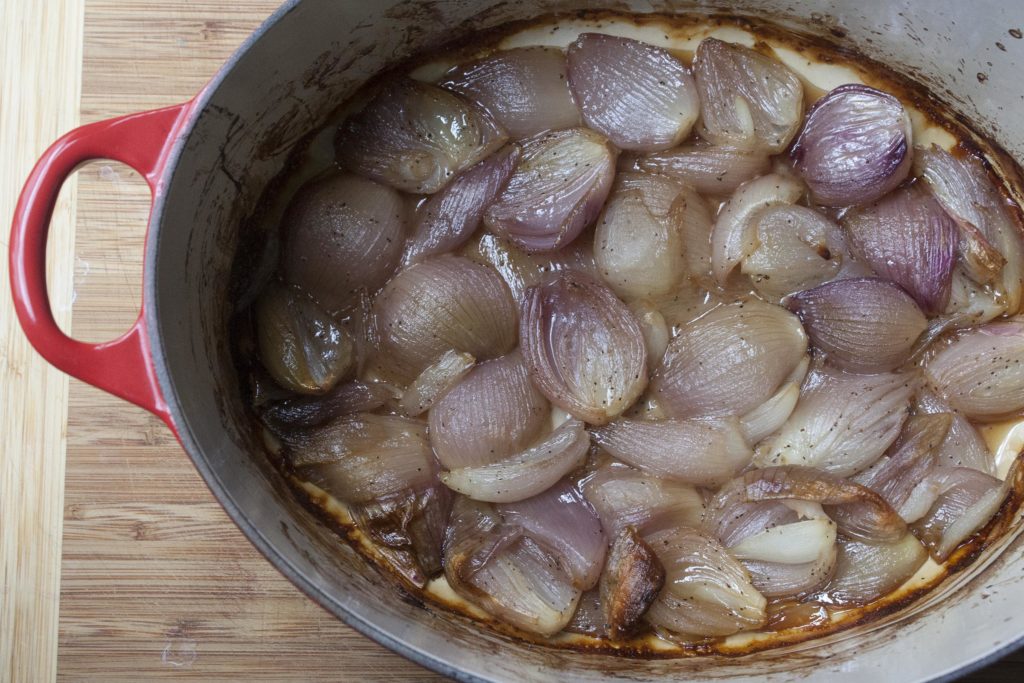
point(361, 623)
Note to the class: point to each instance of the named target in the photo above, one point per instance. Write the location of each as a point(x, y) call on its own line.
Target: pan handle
point(122, 366)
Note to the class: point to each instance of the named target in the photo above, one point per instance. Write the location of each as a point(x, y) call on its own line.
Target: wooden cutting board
point(154, 579)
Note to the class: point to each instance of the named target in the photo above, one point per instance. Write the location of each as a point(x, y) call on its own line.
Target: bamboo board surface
point(154, 580)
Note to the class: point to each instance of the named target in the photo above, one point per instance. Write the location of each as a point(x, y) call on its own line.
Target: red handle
point(122, 366)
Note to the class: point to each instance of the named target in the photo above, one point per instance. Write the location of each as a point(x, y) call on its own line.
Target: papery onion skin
point(868, 571)
point(300, 344)
point(525, 89)
point(992, 248)
point(855, 146)
point(906, 237)
point(434, 382)
point(562, 519)
point(493, 413)
point(701, 452)
point(439, 304)
point(864, 513)
point(729, 361)
point(843, 422)
point(416, 137)
point(981, 373)
point(638, 95)
point(734, 236)
point(557, 190)
point(449, 218)
point(797, 248)
point(584, 348)
point(862, 325)
point(747, 100)
point(525, 474)
point(505, 572)
point(709, 169)
point(706, 592)
point(630, 583)
point(342, 235)
point(623, 496)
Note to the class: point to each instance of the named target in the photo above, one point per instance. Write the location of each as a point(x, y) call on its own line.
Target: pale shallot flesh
point(609, 340)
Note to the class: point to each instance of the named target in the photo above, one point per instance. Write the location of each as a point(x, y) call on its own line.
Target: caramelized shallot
point(703, 452)
point(562, 519)
point(797, 248)
point(623, 496)
point(990, 246)
point(861, 325)
point(440, 304)
point(583, 346)
point(906, 237)
point(981, 373)
point(343, 235)
point(707, 592)
point(843, 422)
point(867, 571)
point(729, 361)
point(301, 346)
point(494, 412)
point(709, 169)
point(632, 580)
point(525, 89)
point(505, 572)
point(525, 474)
point(747, 100)
point(734, 236)
point(416, 137)
point(448, 219)
point(556, 191)
point(638, 95)
point(855, 146)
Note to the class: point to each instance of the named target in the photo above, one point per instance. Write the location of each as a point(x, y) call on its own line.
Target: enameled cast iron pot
point(207, 161)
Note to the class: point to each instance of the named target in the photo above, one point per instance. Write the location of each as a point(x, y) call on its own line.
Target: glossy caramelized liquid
point(821, 68)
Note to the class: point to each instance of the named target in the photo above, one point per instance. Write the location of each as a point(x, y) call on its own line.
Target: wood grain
point(155, 580)
point(33, 396)
point(158, 583)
